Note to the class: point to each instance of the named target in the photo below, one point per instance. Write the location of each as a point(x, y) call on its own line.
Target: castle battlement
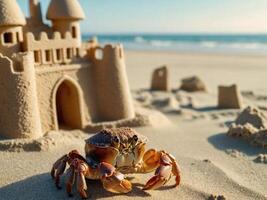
point(16, 65)
point(6, 63)
point(52, 50)
point(108, 52)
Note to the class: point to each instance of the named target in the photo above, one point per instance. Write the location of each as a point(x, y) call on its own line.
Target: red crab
point(110, 154)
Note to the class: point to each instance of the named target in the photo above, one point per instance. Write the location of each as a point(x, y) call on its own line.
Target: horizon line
point(174, 33)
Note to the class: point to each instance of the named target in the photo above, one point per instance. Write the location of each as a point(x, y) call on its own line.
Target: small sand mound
point(165, 102)
point(168, 104)
point(260, 138)
point(143, 117)
point(215, 197)
point(193, 84)
point(262, 158)
point(143, 98)
point(252, 116)
point(250, 125)
point(245, 131)
point(235, 153)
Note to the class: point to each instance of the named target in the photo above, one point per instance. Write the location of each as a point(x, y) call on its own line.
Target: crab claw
point(114, 181)
point(162, 174)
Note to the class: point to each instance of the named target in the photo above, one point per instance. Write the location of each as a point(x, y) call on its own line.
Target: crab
point(110, 154)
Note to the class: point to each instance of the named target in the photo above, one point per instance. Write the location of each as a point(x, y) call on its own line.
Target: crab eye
point(116, 139)
point(135, 137)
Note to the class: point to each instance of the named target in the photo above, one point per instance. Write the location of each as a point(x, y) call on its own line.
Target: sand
point(212, 163)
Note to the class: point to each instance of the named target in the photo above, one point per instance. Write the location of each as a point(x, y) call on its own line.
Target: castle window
point(77, 52)
point(47, 55)
point(8, 38)
point(17, 34)
point(69, 52)
point(58, 54)
point(99, 54)
point(37, 56)
point(74, 32)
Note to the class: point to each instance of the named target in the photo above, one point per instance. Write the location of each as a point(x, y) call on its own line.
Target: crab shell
point(121, 147)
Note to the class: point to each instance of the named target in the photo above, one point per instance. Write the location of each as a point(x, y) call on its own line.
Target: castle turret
point(11, 22)
point(114, 101)
point(35, 12)
point(19, 111)
point(65, 16)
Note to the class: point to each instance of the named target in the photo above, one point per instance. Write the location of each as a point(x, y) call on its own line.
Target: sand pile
point(193, 84)
point(246, 130)
point(262, 158)
point(143, 98)
point(165, 102)
point(251, 125)
point(252, 116)
point(143, 117)
point(50, 141)
point(234, 153)
point(260, 138)
point(57, 139)
point(214, 197)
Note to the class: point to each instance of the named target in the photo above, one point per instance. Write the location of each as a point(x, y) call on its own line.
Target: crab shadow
point(223, 142)
point(41, 187)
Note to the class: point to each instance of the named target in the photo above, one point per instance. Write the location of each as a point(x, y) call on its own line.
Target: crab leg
point(165, 165)
point(80, 182)
point(112, 180)
point(78, 170)
point(162, 174)
point(58, 169)
point(70, 179)
point(176, 171)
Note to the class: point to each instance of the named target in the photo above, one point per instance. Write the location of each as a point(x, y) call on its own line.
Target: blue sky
point(171, 16)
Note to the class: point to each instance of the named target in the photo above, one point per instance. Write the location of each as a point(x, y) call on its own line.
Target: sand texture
point(187, 124)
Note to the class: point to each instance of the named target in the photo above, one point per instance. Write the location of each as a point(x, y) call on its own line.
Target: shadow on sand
point(223, 142)
point(41, 187)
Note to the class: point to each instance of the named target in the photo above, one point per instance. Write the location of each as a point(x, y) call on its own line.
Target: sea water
point(196, 43)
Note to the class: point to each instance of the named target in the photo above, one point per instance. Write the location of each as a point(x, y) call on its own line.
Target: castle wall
point(113, 95)
point(19, 111)
point(48, 80)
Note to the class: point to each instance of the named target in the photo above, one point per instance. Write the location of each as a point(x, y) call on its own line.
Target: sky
point(170, 16)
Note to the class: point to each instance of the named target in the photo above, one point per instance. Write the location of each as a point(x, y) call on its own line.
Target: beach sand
point(211, 162)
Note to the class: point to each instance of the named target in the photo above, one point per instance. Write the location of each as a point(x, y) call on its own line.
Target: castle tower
point(35, 12)
point(11, 22)
point(114, 101)
point(19, 111)
point(65, 16)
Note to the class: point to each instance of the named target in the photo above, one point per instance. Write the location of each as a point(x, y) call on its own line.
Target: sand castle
point(229, 97)
point(48, 78)
point(160, 79)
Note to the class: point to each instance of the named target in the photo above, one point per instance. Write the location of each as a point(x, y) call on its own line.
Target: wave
point(211, 43)
point(205, 44)
point(139, 39)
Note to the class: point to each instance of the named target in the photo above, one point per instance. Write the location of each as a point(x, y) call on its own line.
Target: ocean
point(196, 43)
